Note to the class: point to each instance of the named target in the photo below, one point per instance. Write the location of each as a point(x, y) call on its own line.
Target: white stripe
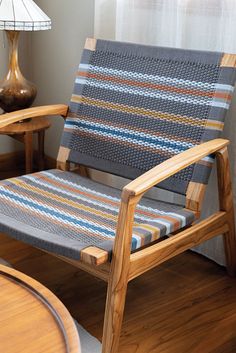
point(92, 191)
point(136, 133)
point(215, 103)
point(57, 217)
point(166, 224)
point(84, 66)
point(222, 87)
point(138, 239)
point(180, 218)
point(152, 78)
point(89, 201)
point(153, 93)
point(131, 140)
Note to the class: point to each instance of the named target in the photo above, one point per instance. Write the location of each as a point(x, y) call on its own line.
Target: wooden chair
point(145, 113)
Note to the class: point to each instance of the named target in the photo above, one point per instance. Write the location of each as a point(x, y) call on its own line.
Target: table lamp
point(18, 15)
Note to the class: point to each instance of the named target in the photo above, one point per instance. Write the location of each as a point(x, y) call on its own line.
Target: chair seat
point(63, 213)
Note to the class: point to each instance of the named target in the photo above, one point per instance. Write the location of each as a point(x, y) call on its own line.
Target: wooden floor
point(187, 305)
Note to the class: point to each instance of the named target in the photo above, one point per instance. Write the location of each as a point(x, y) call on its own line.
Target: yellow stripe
point(155, 231)
point(216, 125)
point(63, 200)
point(137, 111)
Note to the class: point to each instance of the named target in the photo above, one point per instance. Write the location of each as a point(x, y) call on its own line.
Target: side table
point(23, 132)
point(32, 319)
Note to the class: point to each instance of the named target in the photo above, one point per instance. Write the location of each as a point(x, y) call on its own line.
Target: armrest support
point(146, 181)
point(10, 118)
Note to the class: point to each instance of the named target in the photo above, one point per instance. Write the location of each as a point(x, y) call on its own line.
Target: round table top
point(32, 319)
point(33, 125)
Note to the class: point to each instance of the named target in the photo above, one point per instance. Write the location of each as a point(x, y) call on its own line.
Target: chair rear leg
point(227, 205)
point(230, 246)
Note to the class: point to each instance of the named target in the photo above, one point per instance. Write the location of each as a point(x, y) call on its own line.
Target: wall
point(56, 55)
point(50, 59)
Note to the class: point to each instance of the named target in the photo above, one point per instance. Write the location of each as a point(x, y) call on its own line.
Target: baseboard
point(12, 164)
point(11, 161)
point(50, 163)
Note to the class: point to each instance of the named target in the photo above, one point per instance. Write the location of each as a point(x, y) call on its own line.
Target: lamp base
point(15, 91)
point(16, 95)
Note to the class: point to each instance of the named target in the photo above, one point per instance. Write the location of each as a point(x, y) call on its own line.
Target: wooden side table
point(32, 319)
point(23, 132)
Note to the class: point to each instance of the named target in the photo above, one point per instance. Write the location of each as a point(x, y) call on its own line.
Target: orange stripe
point(60, 209)
point(137, 129)
point(165, 154)
point(173, 220)
point(155, 86)
point(33, 213)
point(108, 201)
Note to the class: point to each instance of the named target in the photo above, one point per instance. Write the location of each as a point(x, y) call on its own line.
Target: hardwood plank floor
point(186, 305)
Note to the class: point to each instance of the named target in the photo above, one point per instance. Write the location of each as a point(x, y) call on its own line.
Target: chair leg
point(119, 276)
point(115, 305)
point(230, 246)
point(227, 205)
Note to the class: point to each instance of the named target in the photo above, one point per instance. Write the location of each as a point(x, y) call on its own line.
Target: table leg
point(41, 135)
point(28, 141)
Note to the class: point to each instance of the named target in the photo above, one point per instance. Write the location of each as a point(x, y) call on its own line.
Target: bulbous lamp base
point(15, 91)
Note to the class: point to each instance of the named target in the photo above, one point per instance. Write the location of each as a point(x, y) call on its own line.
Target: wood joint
point(194, 196)
point(228, 60)
point(94, 256)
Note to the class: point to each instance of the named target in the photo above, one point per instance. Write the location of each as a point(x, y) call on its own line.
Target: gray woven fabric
point(134, 106)
point(64, 213)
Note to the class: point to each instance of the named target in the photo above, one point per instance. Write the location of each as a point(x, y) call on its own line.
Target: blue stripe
point(126, 134)
point(53, 213)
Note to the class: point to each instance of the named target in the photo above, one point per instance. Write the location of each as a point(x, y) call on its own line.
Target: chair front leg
point(118, 280)
point(226, 204)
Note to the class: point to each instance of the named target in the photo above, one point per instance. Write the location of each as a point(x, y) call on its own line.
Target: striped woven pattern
point(135, 106)
point(64, 213)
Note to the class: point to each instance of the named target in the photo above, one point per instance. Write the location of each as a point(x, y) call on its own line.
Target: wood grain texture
point(28, 141)
point(144, 260)
point(94, 256)
point(23, 132)
point(118, 280)
point(90, 44)
point(122, 269)
point(194, 196)
point(41, 323)
point(228, 60)
point(102, 272)
point(10, 118)
point(173, 165)
point(226, 204)
point(62, 159)
point(176, 307)
point(35, 125)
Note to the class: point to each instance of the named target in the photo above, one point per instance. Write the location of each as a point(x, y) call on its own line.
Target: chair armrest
point(56, 109)
point(170, 167)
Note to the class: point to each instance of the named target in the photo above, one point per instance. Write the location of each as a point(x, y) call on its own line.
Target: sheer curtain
point(192, 24)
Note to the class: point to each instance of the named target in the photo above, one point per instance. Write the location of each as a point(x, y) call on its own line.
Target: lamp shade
point(22, 15)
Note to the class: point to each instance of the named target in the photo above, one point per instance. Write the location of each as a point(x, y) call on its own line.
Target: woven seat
point(64, 213)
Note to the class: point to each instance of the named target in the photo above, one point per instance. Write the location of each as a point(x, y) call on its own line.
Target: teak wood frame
point(125, 265)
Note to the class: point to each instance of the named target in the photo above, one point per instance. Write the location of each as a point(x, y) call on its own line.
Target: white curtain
point(190, 24)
